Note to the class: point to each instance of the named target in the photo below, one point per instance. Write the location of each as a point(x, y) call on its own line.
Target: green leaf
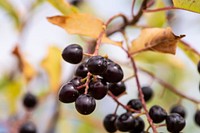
point(11, 10)
point(191, 5)
point(191, 53)
point(63, 6)
point(157, 19)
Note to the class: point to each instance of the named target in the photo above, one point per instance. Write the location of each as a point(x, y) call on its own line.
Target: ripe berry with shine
point(28, 127)
point(157, 114)
point(73, 53)
point(98, 89)
point(109, 123)
point(125, 122)
point(175, 123)
point(179, 110)
point(76, 81)
point(85, 104)
point(135, 104)
point(113, 73)
point(68, 93)
point(117, 88)
point(147, 92)
point(29, 101)
point(139, 125)
point(82, 70)
point(97, 65)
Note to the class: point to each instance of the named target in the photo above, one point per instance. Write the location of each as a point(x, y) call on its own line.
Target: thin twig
point(170, 87)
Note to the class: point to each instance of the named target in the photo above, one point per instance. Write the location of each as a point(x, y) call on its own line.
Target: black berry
point(197, 117)
point(157, 114)
point(147, 92)
point(198, 67)
point(28, 127)
point(29, 101)
point(175, 123)
point(117, 88)
point(76, 81)
point(68, 93)
point(113, 73)
point(85, 104)
point(73, 53)
point(82, 70)
point(179, 110)
point(139, 126)
point(98, 89)
point(109, 123)
point(135, 104)
point(97, 65)
point(125, 122)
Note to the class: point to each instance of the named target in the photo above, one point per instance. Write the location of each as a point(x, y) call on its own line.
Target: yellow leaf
point(63, 6)
point(52, 65)
point(27, 69)
point(191, 5)
point(82, 24)
point(157, 19)
point(156, 39)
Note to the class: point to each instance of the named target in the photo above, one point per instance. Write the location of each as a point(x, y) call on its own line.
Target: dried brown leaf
point(82, 24)
point(156, 39)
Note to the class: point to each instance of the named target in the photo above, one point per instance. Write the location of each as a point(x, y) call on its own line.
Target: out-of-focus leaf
point(12, 92)
point(52, 65)
point(85, 128)
point(156, 39)
point(157, 19)
point(6, 5)
point(191, 5)
point(63, 6)
point(154, 58)
point(82, 24)
point(192, 55)
point(27, 69)
point(64, 126)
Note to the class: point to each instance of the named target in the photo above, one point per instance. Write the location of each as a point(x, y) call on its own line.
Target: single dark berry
point(113, 73)
point(117, 88)
point(97, 65)
point(76, 2)
point(29, 101)
point(28, 127)
point(139, 126)
point(135, 104)
point(109, 123)
point(175, 123)
point(68, 93)
point(179, 110)
point(85, 104)
point(147, 92)
point(98, 89)
point(82, 70)
point(76, 81)
point(125, 122)
point(157, 114)
point(73, 53)
point(197, 117)
point(198, 67)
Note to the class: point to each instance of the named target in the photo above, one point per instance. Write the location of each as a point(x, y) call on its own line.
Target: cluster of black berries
point(130, 120)
point(29, 102)
point(197, 113)
point(92, 80)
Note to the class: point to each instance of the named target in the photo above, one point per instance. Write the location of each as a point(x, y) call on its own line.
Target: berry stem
point(170, 87)
point(87, 82)
point(132, 8)
point(142, 96)
point(116, 109)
